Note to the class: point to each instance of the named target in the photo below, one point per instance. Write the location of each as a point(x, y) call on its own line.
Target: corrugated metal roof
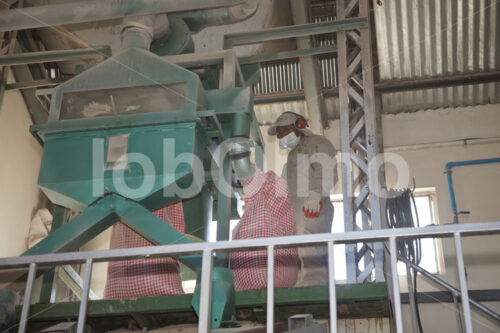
point(426, 38)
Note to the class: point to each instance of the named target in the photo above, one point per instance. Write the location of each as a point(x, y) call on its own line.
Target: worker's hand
point(312, 205)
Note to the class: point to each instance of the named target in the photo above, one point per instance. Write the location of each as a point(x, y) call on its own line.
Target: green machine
point(131, 135)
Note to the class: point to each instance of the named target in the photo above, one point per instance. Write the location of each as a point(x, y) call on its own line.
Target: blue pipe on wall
point(447, 171)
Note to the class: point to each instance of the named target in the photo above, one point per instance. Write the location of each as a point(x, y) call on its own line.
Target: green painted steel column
point(59, 217)
point(198, 213)
point(224, 201)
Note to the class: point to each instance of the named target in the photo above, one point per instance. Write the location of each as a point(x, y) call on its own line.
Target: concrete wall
point(476, 189)
point(20, 156)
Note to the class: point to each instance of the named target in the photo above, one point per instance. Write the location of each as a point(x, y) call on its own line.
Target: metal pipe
point(240, 125)
point(23, 323)
point(463, 283)
point(331, 289)
point(449, 287)
point(450, 165)
point(447, 171)
point(298, 30)
point(241, 128)
point(197, 20)
point(411, 295)
point(206, 292)
point(395, 285)
point(98, 10)
point(82, 313)
point(270, 289)
point(56, 55)
point(445, 144)
point(138, 31)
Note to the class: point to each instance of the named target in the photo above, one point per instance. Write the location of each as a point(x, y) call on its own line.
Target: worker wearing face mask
point(311, 174)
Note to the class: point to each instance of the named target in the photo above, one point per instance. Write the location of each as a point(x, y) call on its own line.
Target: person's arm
point(322, 172)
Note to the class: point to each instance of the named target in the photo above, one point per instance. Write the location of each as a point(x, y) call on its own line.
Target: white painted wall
point(476, 190)
point(20, 156)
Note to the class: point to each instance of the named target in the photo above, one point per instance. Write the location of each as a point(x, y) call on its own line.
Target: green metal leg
point(224, 208)
point(58, 219)
point(152, 228)
point(198, 211)
point(112, 208)
point(79, 230)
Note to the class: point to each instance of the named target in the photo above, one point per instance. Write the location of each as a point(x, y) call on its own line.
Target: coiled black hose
point(400, 215)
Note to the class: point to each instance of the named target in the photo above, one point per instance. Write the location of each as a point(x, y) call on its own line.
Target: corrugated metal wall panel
point(426, 38)
point(418, 39)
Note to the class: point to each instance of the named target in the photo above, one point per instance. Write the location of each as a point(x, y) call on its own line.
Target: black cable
point(399, 215)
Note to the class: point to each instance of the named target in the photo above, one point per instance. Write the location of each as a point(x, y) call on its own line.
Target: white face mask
point(290, 141)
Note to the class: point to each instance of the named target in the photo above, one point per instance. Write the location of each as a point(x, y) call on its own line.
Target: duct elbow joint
point(139, 31)
point(239, 151)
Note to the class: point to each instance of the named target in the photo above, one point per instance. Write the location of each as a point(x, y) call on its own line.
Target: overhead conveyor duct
point(91, 11)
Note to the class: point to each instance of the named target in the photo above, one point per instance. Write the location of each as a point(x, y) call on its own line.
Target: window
point(425, 201)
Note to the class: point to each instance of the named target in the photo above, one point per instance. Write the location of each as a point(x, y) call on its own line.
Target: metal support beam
point(301, 30)
point(82, 314)
point(59, 217)
point(206, 292)
point(55, 55)
point(37, 110)
point(104, 214)
point(394, 86)
point(332, 292)
point(78, 231)
point(311, 74)
point(438, 81)
point(366, 129)
point(463, 283)
point(288, 55)
point(270, 290)
point(4, 77)
point(23, 323)
point(395, 285)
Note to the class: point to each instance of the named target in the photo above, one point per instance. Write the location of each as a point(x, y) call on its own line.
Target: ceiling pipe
point(197, 20)
point(99, 10)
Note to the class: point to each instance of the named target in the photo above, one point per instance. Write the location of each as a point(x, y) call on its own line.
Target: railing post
point(82, 314)
point(412, 298)
point(331, 288)
point(270, 289)
point(206, 291)
point(463, 283)
point(458, 314)
point(23, 323)
point(395, 285)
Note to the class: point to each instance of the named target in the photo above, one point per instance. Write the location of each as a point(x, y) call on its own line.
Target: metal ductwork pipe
point(199, 19)
point(99, 10)
point(138, 31)
point(240, 148)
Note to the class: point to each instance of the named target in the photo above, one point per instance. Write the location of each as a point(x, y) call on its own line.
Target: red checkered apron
point(144, 277)
point(268, 213)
